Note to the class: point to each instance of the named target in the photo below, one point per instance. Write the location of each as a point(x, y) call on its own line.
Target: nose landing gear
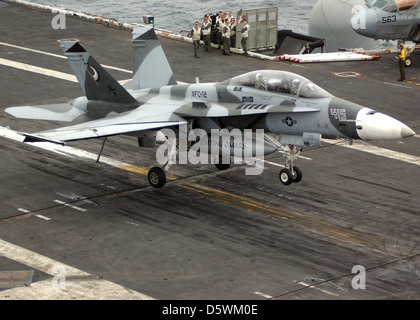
point(290, 173)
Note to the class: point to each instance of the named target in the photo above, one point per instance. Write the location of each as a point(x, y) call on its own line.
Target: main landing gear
point(221, 165)
point(290, 173)
point(157, 175)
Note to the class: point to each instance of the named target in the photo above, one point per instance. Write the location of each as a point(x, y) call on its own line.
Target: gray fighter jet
point(283, 104)
point(388, 20)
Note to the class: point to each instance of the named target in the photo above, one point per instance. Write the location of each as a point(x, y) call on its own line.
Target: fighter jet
point(389, 20)
point(279, 103)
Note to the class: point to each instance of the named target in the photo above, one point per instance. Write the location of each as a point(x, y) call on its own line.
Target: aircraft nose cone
point(365, 22)
point(407, 132)
point(378, 126)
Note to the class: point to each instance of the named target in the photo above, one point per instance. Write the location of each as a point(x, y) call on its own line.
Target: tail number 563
point(389, 19)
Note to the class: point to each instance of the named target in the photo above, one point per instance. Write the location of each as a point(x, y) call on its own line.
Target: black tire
point(157, 177)
point(221, 165)
point(297, 174)
point(286, 177)
point(408, 62)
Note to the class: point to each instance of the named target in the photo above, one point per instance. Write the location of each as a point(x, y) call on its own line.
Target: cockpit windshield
point(381, 3)
point(394, 5)
point(279, 82)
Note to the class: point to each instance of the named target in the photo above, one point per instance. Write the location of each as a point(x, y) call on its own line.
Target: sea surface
point(176, 15)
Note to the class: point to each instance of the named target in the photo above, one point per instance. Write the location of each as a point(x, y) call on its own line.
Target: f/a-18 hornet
point(279, 103)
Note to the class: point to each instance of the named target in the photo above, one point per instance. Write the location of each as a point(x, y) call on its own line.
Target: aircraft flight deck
point(208, 233)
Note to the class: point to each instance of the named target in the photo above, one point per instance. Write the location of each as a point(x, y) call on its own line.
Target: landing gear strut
point(290, 173)
point(157, 175)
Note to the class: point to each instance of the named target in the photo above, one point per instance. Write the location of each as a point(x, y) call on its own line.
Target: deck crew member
point(245, 35)
point(226, 38)
point(196, 36)
point(233, 32)
point(401, 62)
point(230, 16)
point(206, 28)
point(220, 21)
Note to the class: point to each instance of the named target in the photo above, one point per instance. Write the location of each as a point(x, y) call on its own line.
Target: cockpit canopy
point(394, 5)
point(279, 82)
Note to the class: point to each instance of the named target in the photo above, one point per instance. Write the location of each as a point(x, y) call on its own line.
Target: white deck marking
point(387, 153)
point(274, 163)
point(314, 287)
point(36, 215)
point(70, 205)
point(57, 55)
point(39, 70)
point(264, 295)
point(62, 150)
point(397, 85)
point(32, 50)
point(78, 284)
point(42, 217)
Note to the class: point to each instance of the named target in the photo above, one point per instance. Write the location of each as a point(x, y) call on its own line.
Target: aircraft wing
point(127, 122)
point(52, 112)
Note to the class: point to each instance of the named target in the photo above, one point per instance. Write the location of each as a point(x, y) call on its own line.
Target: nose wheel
point(288, 176)
point(290, 173)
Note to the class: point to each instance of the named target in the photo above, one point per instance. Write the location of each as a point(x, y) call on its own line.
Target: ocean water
point(176, 15)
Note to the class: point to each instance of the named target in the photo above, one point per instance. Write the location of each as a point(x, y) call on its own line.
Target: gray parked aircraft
point(278, 102)
point(389, 20)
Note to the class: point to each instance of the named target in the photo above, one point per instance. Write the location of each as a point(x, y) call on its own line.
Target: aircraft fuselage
point(389, 20)
point(273, 105)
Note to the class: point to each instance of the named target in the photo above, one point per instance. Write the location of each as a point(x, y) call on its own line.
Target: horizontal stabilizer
point(53, 112)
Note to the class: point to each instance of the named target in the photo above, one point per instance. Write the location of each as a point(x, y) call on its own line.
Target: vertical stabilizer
point(96, 82)
point(151, 67)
